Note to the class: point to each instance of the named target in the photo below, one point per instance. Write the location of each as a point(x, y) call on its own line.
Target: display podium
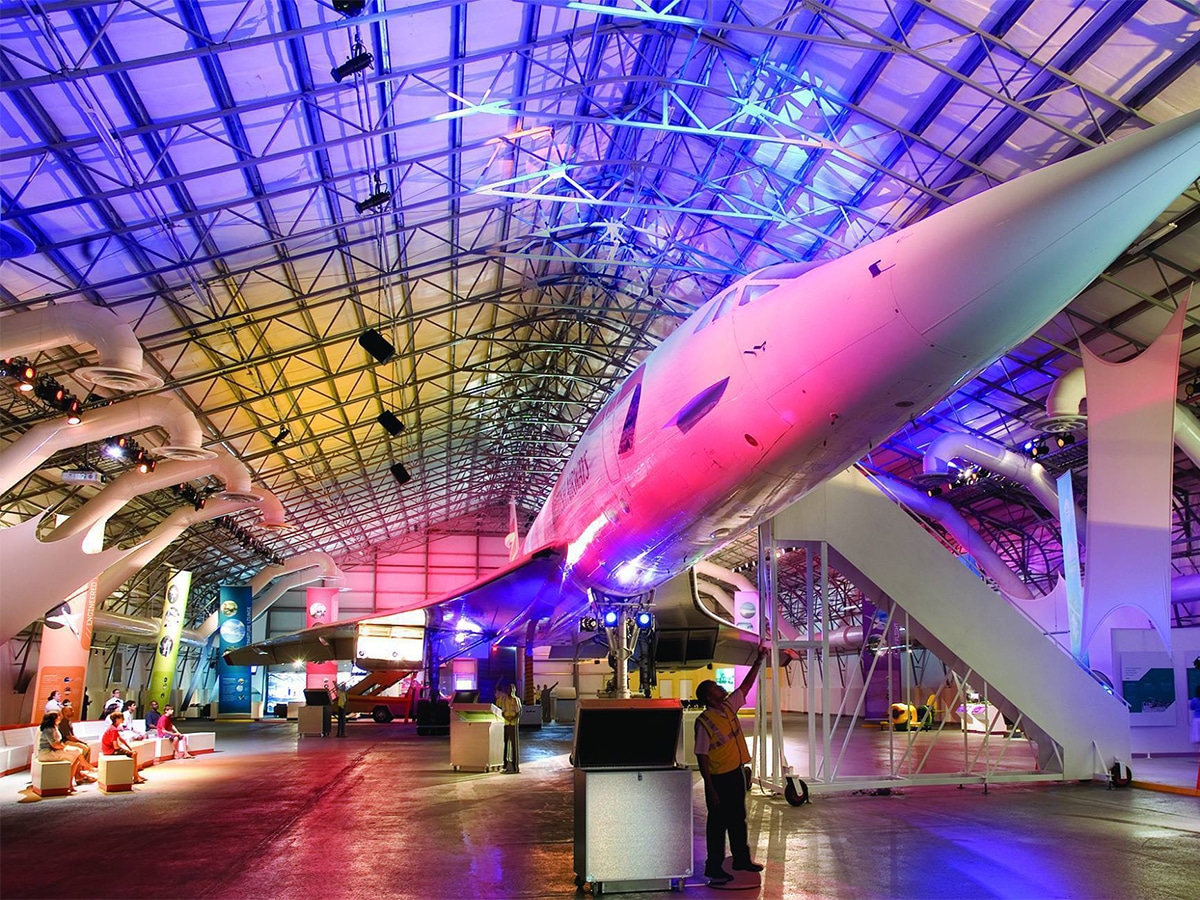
point(564, 706)
point(633, 805)
point(476, 738)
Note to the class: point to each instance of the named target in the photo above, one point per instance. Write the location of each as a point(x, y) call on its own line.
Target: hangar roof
point(523, 199)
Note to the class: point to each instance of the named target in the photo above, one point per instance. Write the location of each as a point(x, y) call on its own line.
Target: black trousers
point(726, 816)
point(512, 753)
point(341, 717)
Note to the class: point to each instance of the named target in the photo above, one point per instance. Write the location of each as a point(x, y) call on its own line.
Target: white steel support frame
point(904, 769)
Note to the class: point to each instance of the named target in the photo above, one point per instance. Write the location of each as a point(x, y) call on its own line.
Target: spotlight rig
point(189, 494)
point(54, 395)
point(126, 449)
point(247, 540)
point(21, 370)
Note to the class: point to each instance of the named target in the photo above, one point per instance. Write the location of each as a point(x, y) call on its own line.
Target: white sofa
point(17, 744)
point(16, 748)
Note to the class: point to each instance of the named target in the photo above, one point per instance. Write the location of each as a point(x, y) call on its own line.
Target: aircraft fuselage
point(791, 375)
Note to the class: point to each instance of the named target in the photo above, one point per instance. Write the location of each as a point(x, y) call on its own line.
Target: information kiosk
point(633, 804)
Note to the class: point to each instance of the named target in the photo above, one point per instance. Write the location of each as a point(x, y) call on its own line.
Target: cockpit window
point(714, 310)
point(753, 291)
point(740, 294)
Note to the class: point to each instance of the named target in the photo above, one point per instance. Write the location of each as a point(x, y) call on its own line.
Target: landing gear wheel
point(381, 714)
point(793, 796)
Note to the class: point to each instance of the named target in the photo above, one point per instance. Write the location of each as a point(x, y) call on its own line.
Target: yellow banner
point(166, 651)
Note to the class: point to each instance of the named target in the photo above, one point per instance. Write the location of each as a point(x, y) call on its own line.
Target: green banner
point(162, 673)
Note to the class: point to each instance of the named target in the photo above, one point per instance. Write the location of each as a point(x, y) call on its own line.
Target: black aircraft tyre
point(381, 714)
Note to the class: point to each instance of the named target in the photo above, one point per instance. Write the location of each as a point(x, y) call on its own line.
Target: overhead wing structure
point(494, 607)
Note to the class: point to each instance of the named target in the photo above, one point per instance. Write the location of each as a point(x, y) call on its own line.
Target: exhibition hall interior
point(418, 420)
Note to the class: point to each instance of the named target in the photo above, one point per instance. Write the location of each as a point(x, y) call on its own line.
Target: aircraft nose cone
point(1000, 265)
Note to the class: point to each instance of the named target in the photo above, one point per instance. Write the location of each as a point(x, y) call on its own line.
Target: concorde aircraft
point(789, 376)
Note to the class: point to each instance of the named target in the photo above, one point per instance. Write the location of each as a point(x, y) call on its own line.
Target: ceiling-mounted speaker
point(391, 424)
point(376, 344)
point(401, 474)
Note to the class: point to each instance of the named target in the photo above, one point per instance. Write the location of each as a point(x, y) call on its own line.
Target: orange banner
point(66, 643)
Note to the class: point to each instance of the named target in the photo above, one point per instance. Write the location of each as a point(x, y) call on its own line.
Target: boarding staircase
point(1079, 727)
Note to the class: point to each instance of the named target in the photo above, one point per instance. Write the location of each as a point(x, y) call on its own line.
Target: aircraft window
point(713, 310)
point(627, 430)
point(726, 303)
point(753, 291)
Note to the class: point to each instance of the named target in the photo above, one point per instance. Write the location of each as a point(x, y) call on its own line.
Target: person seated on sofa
point(50, 747)
point(73, 745)
point(127, 728)
point(152, 717)
point(167, 729)
point(113, 744)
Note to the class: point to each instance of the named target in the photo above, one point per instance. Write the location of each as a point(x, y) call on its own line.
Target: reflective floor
point(382, 814)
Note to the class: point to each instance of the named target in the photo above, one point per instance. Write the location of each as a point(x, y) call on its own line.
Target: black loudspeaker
point(389, 421)
point(376, 344)
point(400, 474)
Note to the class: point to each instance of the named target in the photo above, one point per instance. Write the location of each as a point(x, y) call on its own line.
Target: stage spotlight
point(376, 344)
point(400, 474)
point(1192, 388)
point(20, 369)
point(1064, 440)
point(644, 619)
point(74, 412)
point(281, 437)
point(610, 617)
point(934, 491)
point(49, 390)
point(381, 197)
point(26, 375)
point(145, 464)
point(359, 62)
point(391, 424)
point(589, 623)
point(349, 8)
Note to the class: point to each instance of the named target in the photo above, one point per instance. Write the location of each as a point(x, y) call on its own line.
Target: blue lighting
point(644, 619)
point(610, 617)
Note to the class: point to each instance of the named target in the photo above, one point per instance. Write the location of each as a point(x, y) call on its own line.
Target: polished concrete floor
point(381, 814)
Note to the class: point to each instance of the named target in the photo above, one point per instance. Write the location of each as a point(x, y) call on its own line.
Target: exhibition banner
point(66, 643)
point(166, 649)
point(1148, 686)
point(233, 626)
point(745, 611)
point(320, 605)
point(1131, 458)
point(1073, 573)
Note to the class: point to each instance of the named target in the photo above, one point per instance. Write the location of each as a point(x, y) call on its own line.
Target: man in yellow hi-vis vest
point(721, 752)
point(509, 705)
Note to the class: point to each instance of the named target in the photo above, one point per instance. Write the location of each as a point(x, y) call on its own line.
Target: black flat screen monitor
point(316, 697)
point(627, 734)
point(462, 696)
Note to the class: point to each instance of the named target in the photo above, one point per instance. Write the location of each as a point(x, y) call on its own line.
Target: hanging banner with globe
point(166, 650)
point(233, 623)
